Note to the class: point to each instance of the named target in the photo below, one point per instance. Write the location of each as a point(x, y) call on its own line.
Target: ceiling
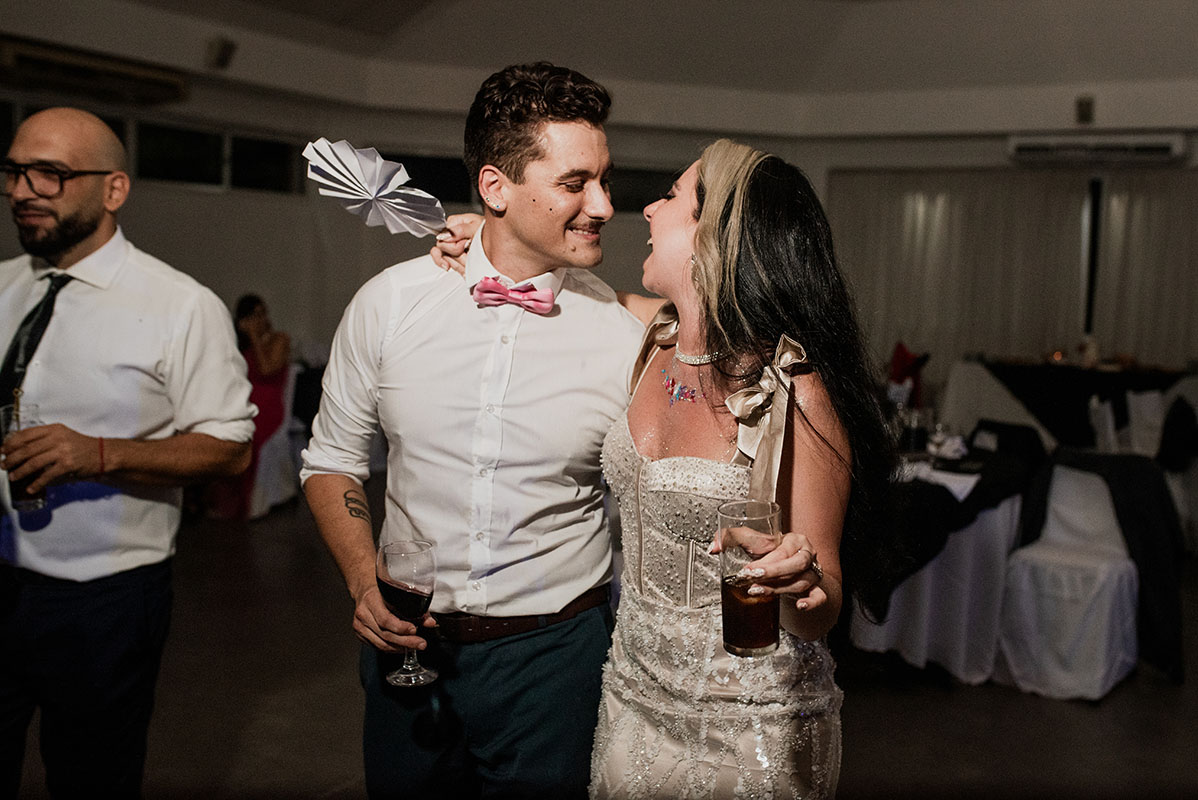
point(800, 46)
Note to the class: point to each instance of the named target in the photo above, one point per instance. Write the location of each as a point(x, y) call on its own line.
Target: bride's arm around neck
point(643, 307)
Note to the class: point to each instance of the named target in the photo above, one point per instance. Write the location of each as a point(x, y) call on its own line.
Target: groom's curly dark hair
point(505, 119)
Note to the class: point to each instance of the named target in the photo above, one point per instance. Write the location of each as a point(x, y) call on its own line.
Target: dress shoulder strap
point(662, 332)
point(761, 411)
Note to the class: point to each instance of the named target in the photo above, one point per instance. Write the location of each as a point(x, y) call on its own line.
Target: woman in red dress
point(267, 353)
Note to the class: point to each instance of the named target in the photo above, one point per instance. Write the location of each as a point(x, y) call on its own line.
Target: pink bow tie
point(490, 292)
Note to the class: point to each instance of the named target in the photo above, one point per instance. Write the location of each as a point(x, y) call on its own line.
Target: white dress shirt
point(134, 350)
point(494, 419)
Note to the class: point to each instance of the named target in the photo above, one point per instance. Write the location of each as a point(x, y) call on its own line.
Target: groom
point(495, 395)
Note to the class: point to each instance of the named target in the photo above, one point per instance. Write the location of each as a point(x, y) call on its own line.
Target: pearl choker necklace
point(697, 361)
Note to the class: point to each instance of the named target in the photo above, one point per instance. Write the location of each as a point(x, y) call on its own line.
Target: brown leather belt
point(469, 629)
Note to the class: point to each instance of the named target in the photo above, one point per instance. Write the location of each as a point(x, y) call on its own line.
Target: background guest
point(267, 354)
point(133, 366)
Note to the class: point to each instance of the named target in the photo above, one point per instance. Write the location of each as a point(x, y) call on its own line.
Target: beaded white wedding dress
point(680, 717)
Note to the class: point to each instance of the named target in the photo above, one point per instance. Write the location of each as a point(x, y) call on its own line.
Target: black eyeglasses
point(43, 180)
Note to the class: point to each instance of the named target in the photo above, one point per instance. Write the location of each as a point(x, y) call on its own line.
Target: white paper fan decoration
point(372, 187)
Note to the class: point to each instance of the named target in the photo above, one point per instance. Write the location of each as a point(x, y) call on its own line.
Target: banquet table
point(972, 394)
point(948, 611)
point(1058, 395)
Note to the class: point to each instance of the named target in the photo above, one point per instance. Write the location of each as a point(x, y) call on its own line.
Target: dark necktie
point(24, 342)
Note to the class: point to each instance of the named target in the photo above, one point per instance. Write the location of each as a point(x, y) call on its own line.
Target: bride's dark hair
point(764, 266)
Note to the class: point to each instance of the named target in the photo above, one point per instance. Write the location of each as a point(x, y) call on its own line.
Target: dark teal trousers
point(509, 718)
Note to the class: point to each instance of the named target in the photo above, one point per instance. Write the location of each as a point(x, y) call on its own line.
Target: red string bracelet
point(101, 440)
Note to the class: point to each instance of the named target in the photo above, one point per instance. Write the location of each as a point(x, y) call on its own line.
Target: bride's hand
point(449, 253)
point(791, 568)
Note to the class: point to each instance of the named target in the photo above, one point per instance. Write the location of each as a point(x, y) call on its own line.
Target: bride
point(743, 254)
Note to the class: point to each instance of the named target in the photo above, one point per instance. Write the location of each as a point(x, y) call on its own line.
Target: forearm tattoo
point(355, 504)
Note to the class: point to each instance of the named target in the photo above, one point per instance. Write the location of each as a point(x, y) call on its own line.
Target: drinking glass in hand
point(13, 419)
point(748, 529)
point(406, 571)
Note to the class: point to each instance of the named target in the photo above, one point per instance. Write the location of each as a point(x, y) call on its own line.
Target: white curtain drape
point(1146, 293)
point(959, 262)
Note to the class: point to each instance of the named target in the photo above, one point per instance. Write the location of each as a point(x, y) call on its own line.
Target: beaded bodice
point(668, 509)
point(682, 718)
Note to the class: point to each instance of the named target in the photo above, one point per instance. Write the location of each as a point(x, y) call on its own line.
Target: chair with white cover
point(1068, 626)
point(1145, 419)
point(1102, 420)
point(276, 477)
point(1177, 454)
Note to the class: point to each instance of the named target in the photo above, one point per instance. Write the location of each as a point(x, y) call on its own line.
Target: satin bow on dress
point(491, 292)
point(761, 410)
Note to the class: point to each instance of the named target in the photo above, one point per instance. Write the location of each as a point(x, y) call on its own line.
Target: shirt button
point(478, 536)
point(482, 473)
point(490, 408)
point(476, 586)
point(505, 338)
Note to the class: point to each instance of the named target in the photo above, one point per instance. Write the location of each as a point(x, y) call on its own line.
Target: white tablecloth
point(948, 612)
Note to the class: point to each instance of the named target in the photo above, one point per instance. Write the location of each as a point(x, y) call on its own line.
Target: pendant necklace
point(675, 390)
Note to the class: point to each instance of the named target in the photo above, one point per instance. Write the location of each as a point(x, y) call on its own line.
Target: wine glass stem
point(410, 664)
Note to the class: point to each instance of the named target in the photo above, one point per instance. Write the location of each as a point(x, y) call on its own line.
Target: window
point(6, 125)
point(443, 178)
point(177, 154)
point(265, 164)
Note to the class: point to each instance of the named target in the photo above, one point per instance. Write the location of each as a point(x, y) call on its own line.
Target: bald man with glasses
point(134, 370)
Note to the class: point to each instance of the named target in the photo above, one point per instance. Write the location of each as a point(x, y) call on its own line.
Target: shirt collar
point(478, 266)
point(98, 269)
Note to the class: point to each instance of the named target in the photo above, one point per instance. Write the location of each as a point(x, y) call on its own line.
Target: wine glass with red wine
point(406, 571)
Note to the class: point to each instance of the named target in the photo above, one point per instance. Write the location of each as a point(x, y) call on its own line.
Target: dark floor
point(259, 698)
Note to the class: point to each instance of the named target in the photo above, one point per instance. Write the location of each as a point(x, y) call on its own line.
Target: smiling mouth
point(586, 232)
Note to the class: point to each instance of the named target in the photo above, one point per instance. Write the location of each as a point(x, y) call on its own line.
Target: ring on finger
point(816, 568)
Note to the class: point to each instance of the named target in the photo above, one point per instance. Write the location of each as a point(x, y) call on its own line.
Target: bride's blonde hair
point(724, 172)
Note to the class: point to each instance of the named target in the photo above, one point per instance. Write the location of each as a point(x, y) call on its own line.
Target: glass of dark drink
point(15, 418)
point(748, 529)
point(406, 571)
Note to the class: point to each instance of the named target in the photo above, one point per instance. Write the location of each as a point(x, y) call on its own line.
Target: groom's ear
point(492, 188)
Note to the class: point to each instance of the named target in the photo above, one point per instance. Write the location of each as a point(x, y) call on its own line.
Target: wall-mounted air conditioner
point(1139, 148)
